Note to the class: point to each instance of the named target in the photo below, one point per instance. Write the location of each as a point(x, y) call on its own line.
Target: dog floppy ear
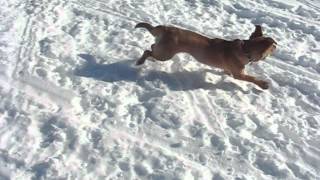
point(257, 32)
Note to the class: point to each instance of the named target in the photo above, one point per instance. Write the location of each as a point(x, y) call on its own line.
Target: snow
point(74, 106)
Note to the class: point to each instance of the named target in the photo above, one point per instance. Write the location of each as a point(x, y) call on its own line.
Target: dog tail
point(145, 25)
point(155, 31)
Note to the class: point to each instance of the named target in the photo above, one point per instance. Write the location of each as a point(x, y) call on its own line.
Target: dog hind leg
point(144, 56)
point(161, 53)
point(158, 56)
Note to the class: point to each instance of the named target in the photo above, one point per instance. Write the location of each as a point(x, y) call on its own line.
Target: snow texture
point(74, 106)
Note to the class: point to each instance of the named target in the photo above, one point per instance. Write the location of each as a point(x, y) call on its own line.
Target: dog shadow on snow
point(125, 71)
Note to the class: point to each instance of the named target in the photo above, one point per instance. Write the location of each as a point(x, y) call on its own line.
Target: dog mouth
point(269, 51)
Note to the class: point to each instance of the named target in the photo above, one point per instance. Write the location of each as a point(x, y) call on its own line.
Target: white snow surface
point(74, 106)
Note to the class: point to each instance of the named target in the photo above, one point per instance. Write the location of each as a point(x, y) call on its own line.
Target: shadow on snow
point(176, 81)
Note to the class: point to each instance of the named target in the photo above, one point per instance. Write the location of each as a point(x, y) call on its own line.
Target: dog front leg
point(241, 76)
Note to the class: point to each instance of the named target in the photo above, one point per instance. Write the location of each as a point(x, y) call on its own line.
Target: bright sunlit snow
point(74, 106)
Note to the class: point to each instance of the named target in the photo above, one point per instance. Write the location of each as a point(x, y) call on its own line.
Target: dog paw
point(263, 84)
point(139, 62)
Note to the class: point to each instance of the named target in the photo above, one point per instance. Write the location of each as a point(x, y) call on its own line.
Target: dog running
point(231, 56)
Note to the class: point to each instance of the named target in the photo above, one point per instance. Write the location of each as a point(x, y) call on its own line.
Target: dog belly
point(208, 59)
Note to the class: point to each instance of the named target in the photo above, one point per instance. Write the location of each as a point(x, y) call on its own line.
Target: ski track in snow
point(73, 106)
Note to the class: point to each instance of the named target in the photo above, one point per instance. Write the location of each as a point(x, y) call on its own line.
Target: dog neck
point(246, 51)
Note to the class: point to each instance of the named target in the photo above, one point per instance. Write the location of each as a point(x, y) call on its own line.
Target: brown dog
point(231, 56)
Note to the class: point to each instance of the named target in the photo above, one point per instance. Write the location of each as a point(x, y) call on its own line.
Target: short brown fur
point(231, 56)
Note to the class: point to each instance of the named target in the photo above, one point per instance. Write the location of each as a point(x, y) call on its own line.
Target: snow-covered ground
point(74, 106)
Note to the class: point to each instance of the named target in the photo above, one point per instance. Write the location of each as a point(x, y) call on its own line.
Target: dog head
point(258, 46)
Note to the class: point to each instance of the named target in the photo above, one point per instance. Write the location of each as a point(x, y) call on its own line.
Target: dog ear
point(257, 32)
